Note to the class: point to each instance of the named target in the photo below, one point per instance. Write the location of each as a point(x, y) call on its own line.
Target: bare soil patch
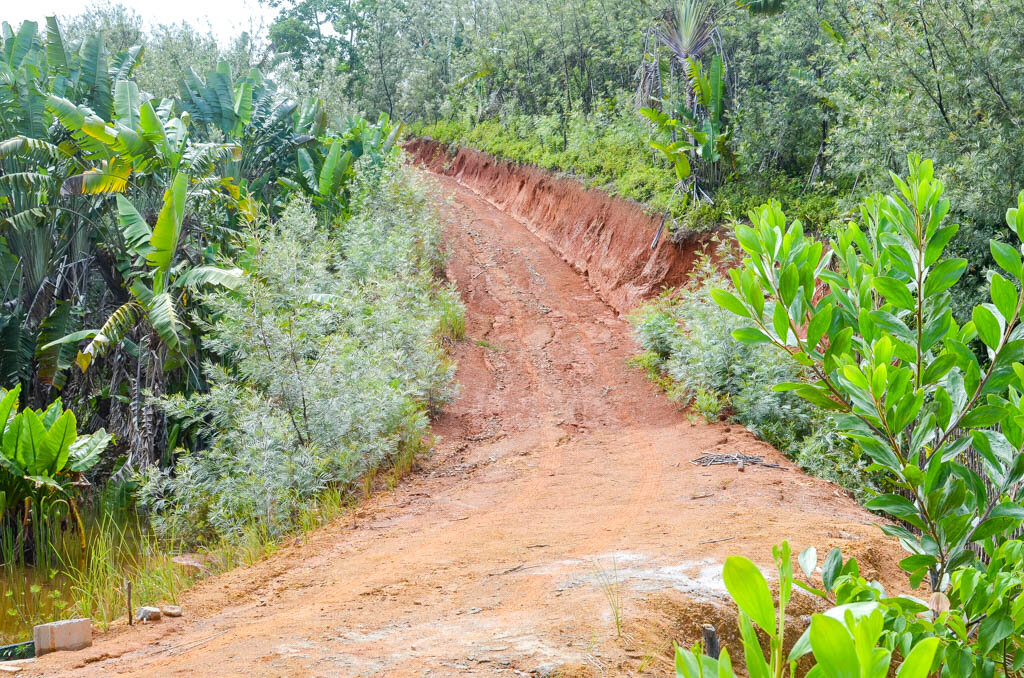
point(559, 473)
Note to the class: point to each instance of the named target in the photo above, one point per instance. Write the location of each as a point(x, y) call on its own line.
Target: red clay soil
point(560, 497)
point(605, 238)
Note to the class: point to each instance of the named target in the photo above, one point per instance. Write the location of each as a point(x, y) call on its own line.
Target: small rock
point(148, 614)
point(171, 610)
point(10, 669)
point(473, 610)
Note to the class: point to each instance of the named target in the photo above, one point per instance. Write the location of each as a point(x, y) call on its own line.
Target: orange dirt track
point(560, 476)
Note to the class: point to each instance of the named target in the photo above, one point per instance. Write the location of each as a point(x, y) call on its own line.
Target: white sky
point(225, 18)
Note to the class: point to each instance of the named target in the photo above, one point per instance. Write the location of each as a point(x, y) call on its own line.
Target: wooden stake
point(661, 227)
point(128, 599)
point(710, 636)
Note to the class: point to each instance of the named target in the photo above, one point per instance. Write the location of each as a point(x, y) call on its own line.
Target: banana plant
point(41, 454)
point(39, 164)
point(248, 110)
point(701, 138)
point(709, 131)
point(159, 295)
point(325, 176)
point(142, 140)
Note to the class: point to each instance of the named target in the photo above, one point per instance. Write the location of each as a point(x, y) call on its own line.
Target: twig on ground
point(715, 541)
point(740, 459)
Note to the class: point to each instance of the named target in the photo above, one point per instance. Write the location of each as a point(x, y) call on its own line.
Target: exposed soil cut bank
point(605, 238)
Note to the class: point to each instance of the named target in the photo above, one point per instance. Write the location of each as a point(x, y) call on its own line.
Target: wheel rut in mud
point(560, 496)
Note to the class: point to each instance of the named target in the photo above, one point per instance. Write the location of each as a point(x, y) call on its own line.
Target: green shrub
point(330, 360)
point(610, 149)
point(711, 371)
point(895, 368)
point(691, 353)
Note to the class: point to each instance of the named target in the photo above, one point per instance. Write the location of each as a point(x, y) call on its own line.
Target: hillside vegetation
point(221, 313)
point(223, 318)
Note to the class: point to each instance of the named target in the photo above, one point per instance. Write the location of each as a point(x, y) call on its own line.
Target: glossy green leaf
point(30, 441)
point(167, 232)
point(749, 589)
point(1004, 296)
point(833, 648)
point(944, 276)
point(54, 449)
point(750, 335)
point(918, 663)
point(1007, 257)
point(126, 103)
point(984, 415)
point(729, 302)
point(988, 327)
point(895, 292)
point(808, 560)
point(994, 629)
point(831, 567)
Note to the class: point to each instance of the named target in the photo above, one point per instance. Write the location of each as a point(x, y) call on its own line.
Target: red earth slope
point(560, 477)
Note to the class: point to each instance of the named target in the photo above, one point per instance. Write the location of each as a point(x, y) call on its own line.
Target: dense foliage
point(820, 99)
point(207, 251)
point(689, 350)
point(334, 362)
point(940, 421)
point(887, 356)
point(236, 281)
point(154, 256)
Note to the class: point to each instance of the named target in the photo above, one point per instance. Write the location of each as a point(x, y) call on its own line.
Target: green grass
point(67, 581)
point(611, 151)
point(452, 314)
point(121, 548)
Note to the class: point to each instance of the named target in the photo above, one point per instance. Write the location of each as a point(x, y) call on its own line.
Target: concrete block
point(70, 634)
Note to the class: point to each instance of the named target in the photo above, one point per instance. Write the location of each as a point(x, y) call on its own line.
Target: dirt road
point(560, 496)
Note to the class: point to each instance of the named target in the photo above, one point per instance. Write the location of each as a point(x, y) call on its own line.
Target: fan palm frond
point(689, 27)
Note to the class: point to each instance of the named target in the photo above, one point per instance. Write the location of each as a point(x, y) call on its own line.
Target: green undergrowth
point(121, 548)
point(332, 359)
point(689, 351)
point(610, 150)
point(333, 356)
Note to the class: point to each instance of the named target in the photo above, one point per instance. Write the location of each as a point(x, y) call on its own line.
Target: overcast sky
point(225, 17)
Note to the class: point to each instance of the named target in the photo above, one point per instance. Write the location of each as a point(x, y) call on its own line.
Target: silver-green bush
point(331, 360)
point(690, 351)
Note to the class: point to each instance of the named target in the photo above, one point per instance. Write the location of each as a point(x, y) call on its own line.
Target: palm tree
point(690, 26)
point(686, 30)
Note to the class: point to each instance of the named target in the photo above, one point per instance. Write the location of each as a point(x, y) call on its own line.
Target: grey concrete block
point(70, 634)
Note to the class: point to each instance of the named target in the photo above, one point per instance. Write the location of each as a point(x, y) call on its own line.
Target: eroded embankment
point(605, 238)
